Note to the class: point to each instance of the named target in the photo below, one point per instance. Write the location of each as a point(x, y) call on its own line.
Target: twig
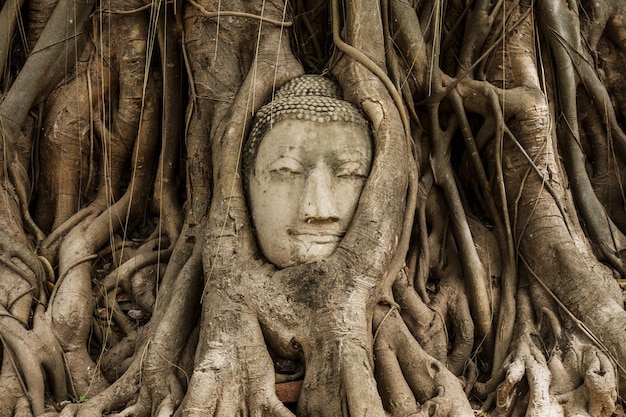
point(132, 11)
point(239, 14)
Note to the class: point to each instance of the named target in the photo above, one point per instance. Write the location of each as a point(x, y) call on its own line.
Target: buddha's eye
point(352, 170)
point(286, 167)
point(286, 170)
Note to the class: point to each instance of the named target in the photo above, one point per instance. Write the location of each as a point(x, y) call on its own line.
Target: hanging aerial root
point(19, 179)
point(46, 65)
point(226, 13)
point(9, 16)
point(166, 199)
point(473, 269)
point(561, 23)
point(422, 258)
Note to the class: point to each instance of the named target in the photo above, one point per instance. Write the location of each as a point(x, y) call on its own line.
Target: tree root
point(11, 387)
point(578, 379)
point(46, 65)
point(156, 349)
point(562, 25)
point(33, 351)
point(321, 312)
point(411, 381)
point(597, 394)
point(114, 396)
point(231, 376)
point(429, 323)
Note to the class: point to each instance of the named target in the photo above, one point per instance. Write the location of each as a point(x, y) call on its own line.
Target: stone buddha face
point(304, 184)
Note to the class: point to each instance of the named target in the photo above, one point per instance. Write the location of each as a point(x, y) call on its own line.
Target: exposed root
point(33, 351)
point(429, 323)
point(143, 358)
point(113, 397)
point(411, 381)
point(14, 400)
point(477, 71)
point(165, 187)
point(44, 68)
point(577, 379)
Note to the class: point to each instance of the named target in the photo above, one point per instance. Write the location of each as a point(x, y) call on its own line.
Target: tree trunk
point(483, 266)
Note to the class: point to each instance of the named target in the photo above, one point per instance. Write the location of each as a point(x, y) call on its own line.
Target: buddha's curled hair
point(308, 97)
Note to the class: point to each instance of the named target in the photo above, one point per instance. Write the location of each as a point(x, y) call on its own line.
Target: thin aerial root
point(19, 180)
point(227, 13)
point(50, 245)
point(165, 191)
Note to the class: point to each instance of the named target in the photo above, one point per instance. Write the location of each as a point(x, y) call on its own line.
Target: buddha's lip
point(318, 235)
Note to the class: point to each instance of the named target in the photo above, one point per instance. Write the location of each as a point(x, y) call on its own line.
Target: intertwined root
point(574, 378)
point(594, 371)
point(578, 381)
point(31, 354)
point(410, 380)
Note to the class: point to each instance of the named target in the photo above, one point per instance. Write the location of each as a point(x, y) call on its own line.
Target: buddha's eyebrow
point(286, 149)
point(287, 152)
point(281, 157)
point(357, 155)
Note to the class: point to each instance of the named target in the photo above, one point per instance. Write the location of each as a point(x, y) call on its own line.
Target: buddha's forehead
point(303, 139)
point(313, 100)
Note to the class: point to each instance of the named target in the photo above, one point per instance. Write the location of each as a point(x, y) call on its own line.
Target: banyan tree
point(312, 208)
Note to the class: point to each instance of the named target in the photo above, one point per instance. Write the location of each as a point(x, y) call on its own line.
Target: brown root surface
point(484, 265)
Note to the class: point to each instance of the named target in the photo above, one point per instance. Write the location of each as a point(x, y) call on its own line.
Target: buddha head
point(305, 164)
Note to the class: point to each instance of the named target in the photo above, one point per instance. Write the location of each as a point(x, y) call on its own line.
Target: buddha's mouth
point(316, 235)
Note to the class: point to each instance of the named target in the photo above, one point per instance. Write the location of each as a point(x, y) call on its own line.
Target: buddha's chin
point(310, 251)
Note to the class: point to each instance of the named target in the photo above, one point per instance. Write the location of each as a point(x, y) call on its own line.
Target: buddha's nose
point(318, 200)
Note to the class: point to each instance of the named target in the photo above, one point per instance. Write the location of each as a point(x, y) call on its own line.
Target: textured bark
point(483, 267)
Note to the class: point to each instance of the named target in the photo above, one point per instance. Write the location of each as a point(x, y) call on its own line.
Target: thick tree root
point(150, 378)
point(13, 399)
point(577, 379)
point(411, 381)
point(112, 398)
point(319, 313)
point(35, 352)
point(445, 322)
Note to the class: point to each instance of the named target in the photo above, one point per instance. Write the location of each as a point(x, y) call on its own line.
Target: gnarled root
point(595, 390)
point(30, 353)
point(150, 377)
point(577, 380)
point(233, 371)
point(34, 351)
point(411, 381)
point(527, 361)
